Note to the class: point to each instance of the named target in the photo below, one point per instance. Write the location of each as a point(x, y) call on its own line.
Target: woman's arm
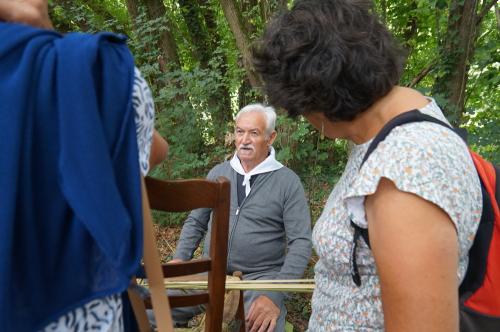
point(31, 12)
point(159, 150)
point(415, 247)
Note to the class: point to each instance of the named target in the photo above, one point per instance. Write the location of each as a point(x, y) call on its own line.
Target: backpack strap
point(480, 287)
point(401, 119)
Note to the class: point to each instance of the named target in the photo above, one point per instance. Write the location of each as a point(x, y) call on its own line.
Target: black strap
point(478, 253)
point(358, 231)
point(497, 186)
point(404, 118)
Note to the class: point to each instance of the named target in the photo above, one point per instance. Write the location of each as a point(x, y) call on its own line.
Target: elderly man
point(270, 228)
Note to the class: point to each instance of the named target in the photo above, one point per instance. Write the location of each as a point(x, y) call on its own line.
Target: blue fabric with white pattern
point(105, 314)
point(70, 216)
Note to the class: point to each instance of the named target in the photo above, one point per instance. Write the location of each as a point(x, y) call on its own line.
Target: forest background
point(195, 56)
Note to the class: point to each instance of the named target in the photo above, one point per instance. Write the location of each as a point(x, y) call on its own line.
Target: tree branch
point(497, 14)
point(422, 74)
point(383, 4)
point(237, 26)
point(486, 8)
point(282, 4)
point(156, 10)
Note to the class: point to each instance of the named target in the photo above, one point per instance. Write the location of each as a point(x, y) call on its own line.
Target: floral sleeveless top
point(422, 158)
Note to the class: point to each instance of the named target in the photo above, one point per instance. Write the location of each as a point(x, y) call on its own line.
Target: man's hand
point(175, 260)
point(262, 315)
point(31, 12)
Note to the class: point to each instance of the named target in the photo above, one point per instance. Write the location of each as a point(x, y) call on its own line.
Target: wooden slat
point(190, 277)
point(186, 268)
point(165, 195)
point(188, 300)
point(177, 301)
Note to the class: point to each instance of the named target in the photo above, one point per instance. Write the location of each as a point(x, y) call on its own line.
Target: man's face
point(252, 143)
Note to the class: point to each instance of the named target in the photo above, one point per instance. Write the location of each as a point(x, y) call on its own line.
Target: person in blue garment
point(76, 135)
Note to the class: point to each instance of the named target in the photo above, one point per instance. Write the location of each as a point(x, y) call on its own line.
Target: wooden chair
point(186, 195)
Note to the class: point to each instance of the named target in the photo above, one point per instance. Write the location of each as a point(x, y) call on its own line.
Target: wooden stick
point(292, 285)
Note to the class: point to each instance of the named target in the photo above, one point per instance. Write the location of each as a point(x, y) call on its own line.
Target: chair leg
point(138, 308)
point(240, 313)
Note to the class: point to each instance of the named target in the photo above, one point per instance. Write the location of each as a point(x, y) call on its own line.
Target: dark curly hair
point(329, 56)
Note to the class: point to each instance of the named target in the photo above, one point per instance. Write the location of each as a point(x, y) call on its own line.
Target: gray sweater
point(269, 234)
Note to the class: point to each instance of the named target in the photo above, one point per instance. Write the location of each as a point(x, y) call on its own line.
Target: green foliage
point(420, 26)
point(484, 133)
point(188, 123)
point(482, 116)
point(196, 126)
point(89, 16)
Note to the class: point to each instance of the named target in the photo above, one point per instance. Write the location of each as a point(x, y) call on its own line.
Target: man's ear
point(271, 139)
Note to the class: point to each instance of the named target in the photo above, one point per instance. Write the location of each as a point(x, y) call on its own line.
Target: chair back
point(186, 195)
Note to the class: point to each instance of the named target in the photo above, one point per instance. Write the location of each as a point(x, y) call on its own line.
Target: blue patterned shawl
point(70, 201)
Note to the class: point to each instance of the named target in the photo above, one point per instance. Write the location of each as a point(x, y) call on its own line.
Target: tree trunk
point(497, 15)
point(202, 47)
point(383, 6)
point(133, 10)
point(205, 38)
point(209, 16)
point(236, 25)
point(243, 94)
point(410, 29)
point(455, 53)
point(156, 9)
point(247, 6)
point(224, 116)
point(282, 4)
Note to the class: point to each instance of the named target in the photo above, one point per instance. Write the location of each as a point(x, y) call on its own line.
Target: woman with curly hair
point(417, 194)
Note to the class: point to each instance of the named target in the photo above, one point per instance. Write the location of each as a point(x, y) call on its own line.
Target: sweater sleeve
point(194, 229)
point(297, 222)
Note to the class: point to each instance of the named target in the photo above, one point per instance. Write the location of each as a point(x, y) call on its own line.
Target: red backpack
point(479, 292)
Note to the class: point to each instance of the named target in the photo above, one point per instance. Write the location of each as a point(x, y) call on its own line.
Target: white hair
point(268, 111)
